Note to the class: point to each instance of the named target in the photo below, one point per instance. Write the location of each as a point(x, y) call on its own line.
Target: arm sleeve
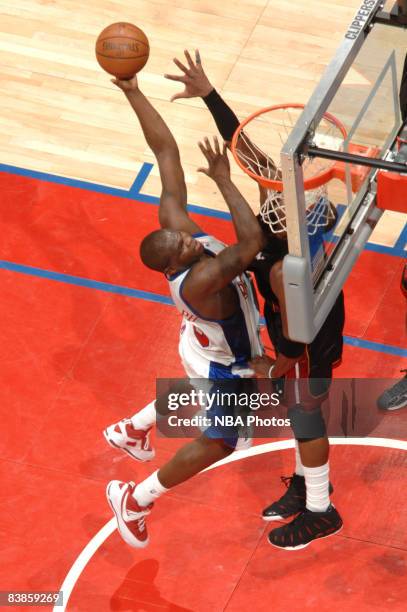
point(225, 119)
point(227, 123)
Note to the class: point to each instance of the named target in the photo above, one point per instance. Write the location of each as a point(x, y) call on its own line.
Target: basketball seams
point(143, 42)
point(122, 49)
point(122, 58)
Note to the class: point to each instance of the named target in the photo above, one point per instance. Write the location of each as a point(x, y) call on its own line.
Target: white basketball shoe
point(129, 515)
point(134, 442)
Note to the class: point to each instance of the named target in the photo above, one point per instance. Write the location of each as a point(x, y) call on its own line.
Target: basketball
point(122, 49)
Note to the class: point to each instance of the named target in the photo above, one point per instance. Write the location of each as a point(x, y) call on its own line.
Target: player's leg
point(314, 456)
point(309, 429)
point(192, 459)
point(318, 518)
point(311, 443)
point(294, 499)
point(132, 434)
point(132, 503)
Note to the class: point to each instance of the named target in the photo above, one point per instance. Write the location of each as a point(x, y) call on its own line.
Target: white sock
point(149, 490)
point(299, 468)
point(317, 486)
point(145, 418)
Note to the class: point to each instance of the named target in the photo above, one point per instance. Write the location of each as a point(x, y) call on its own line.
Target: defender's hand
point(261, 365)
point(195, 80)
point(126, 85)
point(218, 162)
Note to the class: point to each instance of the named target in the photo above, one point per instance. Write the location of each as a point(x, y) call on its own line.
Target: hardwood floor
point(60, 113)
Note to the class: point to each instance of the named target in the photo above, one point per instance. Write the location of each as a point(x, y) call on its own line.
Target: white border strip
point(102, 535)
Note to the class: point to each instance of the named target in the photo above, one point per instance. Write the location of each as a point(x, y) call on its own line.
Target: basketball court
point(87, 331)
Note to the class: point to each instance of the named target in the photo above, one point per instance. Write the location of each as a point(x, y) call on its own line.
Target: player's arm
point(172, 213)
point(196, 84)
point(211, 275)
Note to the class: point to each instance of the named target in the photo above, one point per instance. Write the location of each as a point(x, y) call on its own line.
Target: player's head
point(169, 251)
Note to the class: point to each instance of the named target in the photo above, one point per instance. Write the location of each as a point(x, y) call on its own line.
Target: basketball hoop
point(269, 129)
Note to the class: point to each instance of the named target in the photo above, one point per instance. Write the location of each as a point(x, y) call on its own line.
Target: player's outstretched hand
point(196, 83)
point(126, 85)
point(218, 162)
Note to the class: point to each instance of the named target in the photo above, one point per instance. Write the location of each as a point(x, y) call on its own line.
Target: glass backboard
point(360, 90)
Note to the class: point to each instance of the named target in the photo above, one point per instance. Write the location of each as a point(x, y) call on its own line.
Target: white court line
point(102, 535)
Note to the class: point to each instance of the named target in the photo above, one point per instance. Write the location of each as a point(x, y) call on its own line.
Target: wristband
point(271, 368)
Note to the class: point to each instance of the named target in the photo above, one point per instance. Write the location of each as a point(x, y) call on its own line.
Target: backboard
point(359, 94)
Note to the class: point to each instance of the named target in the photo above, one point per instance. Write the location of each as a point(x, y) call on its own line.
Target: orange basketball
point(122, 49)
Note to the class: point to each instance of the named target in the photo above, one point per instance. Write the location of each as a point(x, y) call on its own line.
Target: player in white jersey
point(219, 333)
point(211, 348)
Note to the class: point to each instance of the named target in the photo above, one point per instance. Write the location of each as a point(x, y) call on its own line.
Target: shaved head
point(169, 251)
point(157, 249)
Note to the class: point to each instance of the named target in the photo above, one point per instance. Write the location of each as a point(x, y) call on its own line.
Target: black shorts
point(321, 355)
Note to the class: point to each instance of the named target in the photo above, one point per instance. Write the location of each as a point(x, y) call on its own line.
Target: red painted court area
point(77, 358)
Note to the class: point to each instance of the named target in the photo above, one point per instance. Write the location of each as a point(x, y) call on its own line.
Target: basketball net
point(271, 127)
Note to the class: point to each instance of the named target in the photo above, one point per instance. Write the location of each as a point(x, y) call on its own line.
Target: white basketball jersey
point(208, 347)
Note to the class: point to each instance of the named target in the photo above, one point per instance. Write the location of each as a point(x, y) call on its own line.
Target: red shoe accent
point(136, 434)
point(137, 526)
point(134, 442)
point(133, 505)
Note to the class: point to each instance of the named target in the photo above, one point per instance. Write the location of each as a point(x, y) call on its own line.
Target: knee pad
point(307, 424)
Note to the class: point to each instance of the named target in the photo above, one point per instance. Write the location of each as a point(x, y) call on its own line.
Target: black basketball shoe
point(305, 528)
point(395, 397)
point(292, 502)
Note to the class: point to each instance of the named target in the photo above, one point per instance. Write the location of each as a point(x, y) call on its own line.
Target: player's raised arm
point(213, 274)
point(196, 84)
point(172, 214)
